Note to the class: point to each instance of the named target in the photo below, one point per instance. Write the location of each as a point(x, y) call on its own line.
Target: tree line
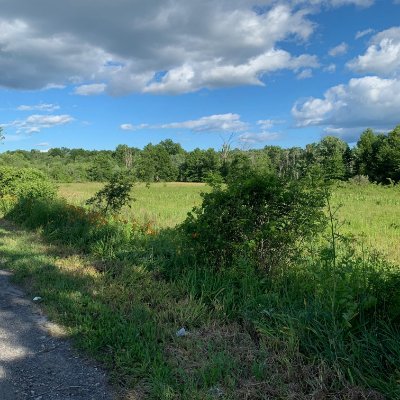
point(375, 155)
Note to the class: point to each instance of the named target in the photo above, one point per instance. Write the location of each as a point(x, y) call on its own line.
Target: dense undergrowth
point(261, 319)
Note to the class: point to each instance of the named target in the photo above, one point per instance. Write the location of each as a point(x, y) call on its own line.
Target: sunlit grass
point(163, 204)
point(369, 212)
point(372, 214)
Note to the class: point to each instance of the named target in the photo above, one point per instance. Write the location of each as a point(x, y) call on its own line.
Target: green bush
point(262, 218)
point(23, 183)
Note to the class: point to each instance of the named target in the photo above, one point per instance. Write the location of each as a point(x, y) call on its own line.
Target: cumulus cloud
point(382, 56)
point(370, 101)
point(339, 50)
point(149, 46)
point(36, 122)
point(90, 89)
point(39, 107)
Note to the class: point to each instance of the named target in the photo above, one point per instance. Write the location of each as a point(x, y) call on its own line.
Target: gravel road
point(35, 364)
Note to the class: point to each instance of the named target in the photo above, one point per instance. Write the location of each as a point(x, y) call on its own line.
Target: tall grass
point(162, 204)
point(331, 319)
point(369, 212)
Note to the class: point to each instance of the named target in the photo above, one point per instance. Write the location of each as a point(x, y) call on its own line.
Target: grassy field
point(369, 212)
point(162, 204)
point(324, 328)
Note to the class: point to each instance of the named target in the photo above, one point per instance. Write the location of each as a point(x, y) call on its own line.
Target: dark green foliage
point(378, 156)
point(375, 155)
point(262, 218)
point(331, 153)
point(114, 195)
point(199, 164)
point(155, 164)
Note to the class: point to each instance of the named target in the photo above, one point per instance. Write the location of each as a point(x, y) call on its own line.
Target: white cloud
point(43, 144)
point(90, 89)
point(330, 68)
point(35, 123)
point(382, 56)
point(219, 123)
point(193, 77)
point(335, 3)
point(146, 46)
point(363, 33)
point(130, 127)
point(254, 138)
point(338, 50)
point(268, 123)
point(39, 107)
point(360, 3)
point(364, 102)
point(213, 123)
point(305, 74)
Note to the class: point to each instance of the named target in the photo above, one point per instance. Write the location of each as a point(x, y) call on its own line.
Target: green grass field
point(369, 212)
point(162, 204)
point(320, 329)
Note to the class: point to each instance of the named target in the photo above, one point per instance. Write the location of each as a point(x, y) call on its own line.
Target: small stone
point(37, 299)
point(216, 391)
point(182, 332)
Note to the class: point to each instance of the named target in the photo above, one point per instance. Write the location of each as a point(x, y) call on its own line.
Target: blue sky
point(275, 72)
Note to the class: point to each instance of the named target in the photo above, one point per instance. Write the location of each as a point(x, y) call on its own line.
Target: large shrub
point(23, 184)
point(263, 218)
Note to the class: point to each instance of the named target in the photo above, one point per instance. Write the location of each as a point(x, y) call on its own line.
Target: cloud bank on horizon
point(184, 47)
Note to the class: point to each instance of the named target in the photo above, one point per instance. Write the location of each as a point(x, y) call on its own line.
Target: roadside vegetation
point(266, 289)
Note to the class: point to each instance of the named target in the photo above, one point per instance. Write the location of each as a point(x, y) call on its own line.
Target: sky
point(95, 74)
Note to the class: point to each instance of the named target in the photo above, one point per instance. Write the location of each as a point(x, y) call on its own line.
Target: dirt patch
point(36, 362)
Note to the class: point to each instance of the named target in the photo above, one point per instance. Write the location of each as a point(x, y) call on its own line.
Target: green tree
point(199, 164)
point(330, 152)
point(365, 153)
point(155, 164)
point(115, 194)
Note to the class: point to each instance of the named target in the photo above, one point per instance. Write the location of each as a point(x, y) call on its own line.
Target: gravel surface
point(35, 363)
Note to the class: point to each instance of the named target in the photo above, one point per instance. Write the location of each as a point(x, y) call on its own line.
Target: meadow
point(326, 327)
point(371, 213)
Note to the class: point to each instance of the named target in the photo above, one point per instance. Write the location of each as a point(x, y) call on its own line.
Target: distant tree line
point(375, 155)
